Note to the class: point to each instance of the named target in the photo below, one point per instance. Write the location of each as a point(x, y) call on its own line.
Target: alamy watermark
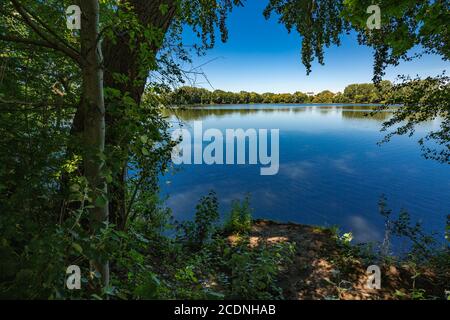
point(374, 280)
point(73, 281)
point(73, 14)
point(374, 21)
point(228, 148)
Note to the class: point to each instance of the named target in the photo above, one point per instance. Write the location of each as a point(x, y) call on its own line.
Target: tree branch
point(49, 29)
point(34, 103)
point(51, 42)
point(33, 42)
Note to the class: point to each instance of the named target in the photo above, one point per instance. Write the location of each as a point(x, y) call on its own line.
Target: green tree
point(300, 97)
point(89, 59)
point(404, 24)
point(325, 96)
point(90, 141)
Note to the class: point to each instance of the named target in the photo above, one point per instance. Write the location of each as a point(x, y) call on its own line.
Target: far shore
point(193, 106)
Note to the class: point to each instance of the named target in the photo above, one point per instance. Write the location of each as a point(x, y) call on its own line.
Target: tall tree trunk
point(119, 58)
point(94, 122)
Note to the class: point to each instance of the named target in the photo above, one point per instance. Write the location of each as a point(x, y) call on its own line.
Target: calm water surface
point(332, 172)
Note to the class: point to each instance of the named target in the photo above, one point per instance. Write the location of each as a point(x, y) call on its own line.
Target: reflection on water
point(332, 172)
point(348, 111)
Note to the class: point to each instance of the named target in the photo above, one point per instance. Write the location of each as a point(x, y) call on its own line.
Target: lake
point(331, 172)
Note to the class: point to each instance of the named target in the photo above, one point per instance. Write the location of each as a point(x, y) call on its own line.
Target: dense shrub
point(239, 219)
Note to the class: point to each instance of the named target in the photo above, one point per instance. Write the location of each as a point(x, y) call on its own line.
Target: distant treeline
point(354, 93)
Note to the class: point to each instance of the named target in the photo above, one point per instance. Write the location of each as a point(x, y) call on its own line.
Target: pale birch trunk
point(94, 121)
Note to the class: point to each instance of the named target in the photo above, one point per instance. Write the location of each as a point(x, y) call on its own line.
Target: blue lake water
point(332, 172)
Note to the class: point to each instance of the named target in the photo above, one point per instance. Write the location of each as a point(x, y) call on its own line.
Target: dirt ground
point(319, 270)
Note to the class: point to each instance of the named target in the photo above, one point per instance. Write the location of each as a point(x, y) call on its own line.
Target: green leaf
point(77, 247)
point(164, 8)
point(215, 295)
point(144, 138)
point(75, 187)
point(108, 178)
point(145, 152)
point(101, 201)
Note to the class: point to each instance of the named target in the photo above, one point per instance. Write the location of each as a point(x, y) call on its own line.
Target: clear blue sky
point(261, 56)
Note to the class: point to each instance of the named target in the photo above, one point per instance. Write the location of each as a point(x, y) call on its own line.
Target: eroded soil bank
point(323, 269)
